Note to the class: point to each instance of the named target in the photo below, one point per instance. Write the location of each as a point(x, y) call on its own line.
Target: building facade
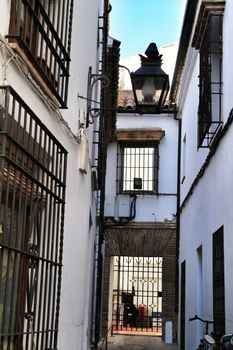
point(140, 218)
point(202, 90)
point(50, 155)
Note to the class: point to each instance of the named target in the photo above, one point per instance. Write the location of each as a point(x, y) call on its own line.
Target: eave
point(185, 38)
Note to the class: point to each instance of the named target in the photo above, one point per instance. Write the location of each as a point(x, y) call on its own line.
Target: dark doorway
point(218, 282)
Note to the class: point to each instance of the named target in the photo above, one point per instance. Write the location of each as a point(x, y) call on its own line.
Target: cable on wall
point(9, 55)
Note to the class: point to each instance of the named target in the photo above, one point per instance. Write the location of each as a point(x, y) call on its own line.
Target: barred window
point(137, 167)
point(42, 29)
point(210, 84)
point(32, 197)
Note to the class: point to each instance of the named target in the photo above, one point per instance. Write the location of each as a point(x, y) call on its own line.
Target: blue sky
point(136, 23)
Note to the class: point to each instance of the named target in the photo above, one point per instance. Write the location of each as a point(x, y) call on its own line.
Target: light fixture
point(150, 86)
point(150, 83)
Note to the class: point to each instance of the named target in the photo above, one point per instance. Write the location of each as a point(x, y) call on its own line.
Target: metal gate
point(137, 294)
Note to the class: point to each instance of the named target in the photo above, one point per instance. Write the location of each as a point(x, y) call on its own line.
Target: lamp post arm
point(92, 80)
point(93, 113)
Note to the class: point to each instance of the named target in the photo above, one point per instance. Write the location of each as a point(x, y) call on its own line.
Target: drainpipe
point(178, 215)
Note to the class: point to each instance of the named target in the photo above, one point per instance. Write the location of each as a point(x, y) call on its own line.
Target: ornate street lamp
point(150, 83)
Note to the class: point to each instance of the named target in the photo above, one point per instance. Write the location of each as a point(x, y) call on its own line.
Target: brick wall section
point(111, 93)
point(169, 287)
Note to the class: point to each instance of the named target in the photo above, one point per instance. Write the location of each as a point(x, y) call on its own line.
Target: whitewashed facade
point(67, 126)
point(150, 208)
point(140, 210)
point(206, 173)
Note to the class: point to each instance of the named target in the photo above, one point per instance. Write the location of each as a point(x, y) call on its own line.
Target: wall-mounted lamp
point(150, 83)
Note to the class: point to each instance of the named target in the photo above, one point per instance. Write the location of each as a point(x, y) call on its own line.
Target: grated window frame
point(148, 172)
point(42, 30)
point(210, 82)
point(32, 200)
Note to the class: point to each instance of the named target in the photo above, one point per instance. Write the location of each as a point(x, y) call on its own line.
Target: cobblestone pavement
point(136, 342)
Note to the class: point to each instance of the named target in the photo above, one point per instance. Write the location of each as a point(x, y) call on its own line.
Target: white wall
point(195, 156)
point(78, 240)
point(210, 205)
point(209, 208)
point(150, 207)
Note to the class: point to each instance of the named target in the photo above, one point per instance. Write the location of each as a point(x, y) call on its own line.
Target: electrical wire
point(8, 55)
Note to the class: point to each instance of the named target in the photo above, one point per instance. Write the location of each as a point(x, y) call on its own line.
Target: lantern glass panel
point(149, 89)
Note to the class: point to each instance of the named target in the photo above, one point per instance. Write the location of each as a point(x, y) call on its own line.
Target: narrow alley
point(116, 191)
point(130, 342)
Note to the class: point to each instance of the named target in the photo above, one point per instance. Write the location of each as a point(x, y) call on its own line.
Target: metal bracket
point(93, 113)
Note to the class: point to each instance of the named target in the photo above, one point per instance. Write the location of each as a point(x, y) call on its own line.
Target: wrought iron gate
point(137, 294)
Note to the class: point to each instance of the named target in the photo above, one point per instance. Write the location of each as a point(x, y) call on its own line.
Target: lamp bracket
point(93, 113)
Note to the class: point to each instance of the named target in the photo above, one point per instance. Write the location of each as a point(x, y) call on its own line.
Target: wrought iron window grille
point(137, 167)
point(42, 29)
point(210, 82)
point(32, 202)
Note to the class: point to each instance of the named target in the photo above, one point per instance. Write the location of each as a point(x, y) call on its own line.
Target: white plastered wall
point(210, 205)
point(75, 311)
point(151, 208)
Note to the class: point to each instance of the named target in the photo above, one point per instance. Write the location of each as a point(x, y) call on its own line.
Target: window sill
point(132, 193)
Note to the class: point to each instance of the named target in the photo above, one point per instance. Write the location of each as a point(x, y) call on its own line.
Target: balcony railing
point(42, 29)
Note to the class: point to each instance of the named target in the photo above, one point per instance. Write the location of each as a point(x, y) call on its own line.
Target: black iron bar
point(37, 30)
point(15, 231)
point(53, 225)
point(14, 334)
point(51, 280)
point(7, 258)
point(148, 293)
point(55, 272)
point(34, 175)
point(47, 250)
